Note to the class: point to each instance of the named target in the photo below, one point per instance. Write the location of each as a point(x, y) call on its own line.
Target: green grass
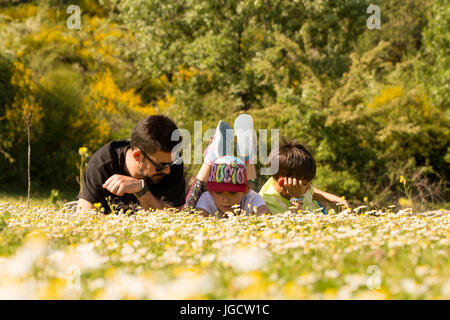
point(40, 196)
point(182, 255)
point(10, 239)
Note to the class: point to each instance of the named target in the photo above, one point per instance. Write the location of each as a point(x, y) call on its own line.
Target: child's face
point(225, 200)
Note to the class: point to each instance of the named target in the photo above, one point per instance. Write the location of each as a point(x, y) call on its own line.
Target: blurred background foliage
point(372, 105)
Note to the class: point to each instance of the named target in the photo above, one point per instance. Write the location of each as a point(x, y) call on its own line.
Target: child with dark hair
point(140, 171)
point(291, 185)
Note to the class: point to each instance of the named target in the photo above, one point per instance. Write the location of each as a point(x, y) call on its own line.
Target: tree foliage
point(372, 105)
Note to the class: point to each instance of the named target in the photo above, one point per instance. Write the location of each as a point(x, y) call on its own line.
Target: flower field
point(48, 253)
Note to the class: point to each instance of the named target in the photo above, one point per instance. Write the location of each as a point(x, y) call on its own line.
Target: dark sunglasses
point(160, 166)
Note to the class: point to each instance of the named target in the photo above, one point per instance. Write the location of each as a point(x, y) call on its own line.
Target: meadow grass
point(50, 253)
point(40, 196)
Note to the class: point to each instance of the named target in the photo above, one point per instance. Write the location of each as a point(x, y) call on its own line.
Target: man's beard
point(154, 178)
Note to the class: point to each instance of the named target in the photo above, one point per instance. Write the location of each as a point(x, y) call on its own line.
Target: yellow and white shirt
point(276, 203)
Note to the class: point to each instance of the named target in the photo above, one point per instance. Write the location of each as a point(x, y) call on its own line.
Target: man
point(136, 171)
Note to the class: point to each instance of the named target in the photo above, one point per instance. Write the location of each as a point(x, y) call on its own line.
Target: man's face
point(225, 200)
point(147, 169)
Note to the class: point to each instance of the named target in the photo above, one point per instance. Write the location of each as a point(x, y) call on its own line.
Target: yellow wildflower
point(82, 151)
point(97, 205)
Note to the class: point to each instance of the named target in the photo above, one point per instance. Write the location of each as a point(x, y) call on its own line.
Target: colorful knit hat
point(227, 173)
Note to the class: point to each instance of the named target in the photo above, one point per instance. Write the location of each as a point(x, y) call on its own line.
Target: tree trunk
point(29, 164)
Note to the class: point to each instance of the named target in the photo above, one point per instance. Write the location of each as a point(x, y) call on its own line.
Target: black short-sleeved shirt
point(110, 160)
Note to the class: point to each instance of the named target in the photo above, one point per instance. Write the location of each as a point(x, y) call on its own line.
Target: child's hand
point(320, 195)
point(344, 203)
point(294, 187)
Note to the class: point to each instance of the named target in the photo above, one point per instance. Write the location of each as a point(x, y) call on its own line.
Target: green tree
point(435, 69)
point(6, 99)
point(233, 44)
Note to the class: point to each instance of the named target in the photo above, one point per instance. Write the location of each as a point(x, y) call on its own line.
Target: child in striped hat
point(221, 144)
point(228, 189)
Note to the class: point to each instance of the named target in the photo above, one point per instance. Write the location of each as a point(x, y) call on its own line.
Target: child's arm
point(320, 195)
point(205, 205)
point(203, 212)
point(295, 188)
point(262, 210)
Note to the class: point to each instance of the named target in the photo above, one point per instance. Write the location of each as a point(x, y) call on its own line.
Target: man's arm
point(320, 195)
point(84, 205)
point(148, 200)
point(119, 185)
point(91, 191)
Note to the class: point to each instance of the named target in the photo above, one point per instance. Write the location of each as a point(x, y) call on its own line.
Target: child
point(227, 187)
point(221, 145)
point(291, 185)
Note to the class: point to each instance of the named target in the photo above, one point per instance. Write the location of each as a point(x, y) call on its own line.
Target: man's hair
point(154, 134)
point(294, 161)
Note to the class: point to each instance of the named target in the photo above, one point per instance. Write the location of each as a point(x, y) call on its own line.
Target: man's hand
point(120, 185)
point(294, 187)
